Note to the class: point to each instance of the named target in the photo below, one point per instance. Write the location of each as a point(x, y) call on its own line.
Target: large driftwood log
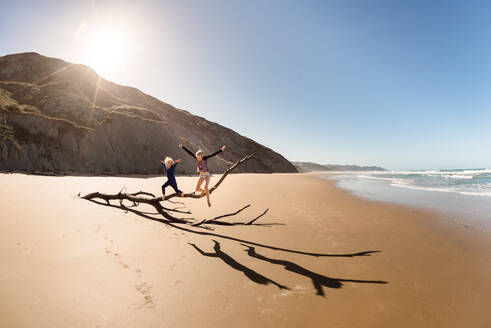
point(154, 201)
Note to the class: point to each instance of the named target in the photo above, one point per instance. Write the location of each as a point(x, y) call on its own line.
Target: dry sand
point(67, 262)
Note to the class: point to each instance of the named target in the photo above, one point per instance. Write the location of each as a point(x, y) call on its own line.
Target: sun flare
point(107, 50)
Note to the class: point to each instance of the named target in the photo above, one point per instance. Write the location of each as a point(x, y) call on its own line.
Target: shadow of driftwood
point(249, 273)
point(319, 281)
point(216, 235)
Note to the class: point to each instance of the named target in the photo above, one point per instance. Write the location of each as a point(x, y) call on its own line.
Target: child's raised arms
point(187, 151)
point(215, 153)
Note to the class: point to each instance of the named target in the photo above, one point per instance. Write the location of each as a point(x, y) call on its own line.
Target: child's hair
point(199, 152)
point(169, 159)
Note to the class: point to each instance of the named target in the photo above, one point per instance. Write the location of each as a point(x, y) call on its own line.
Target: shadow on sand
point(251, 274)
point(198, 231)
point(319, 281)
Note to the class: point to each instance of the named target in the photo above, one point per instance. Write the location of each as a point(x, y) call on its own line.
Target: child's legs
point(165, 186)
point(200, 181)
point(206, 189)
point(174, 186)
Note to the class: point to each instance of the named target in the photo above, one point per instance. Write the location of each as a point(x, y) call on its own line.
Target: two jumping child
point(202, 169)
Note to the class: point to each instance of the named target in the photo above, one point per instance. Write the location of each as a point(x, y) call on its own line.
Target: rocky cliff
point(58, 117)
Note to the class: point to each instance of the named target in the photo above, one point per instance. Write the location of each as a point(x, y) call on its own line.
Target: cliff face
point(63, 118)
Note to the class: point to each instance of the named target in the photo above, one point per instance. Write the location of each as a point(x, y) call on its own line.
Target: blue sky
point(400, 84)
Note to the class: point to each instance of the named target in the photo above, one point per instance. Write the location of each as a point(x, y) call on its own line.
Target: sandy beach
point(320, 257)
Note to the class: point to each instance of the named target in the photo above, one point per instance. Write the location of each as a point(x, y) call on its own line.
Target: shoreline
point(68, 261)
point(470, 235)
point(461, 229)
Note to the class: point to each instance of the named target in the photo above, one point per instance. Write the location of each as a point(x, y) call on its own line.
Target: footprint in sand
point(108, 251)
point(144, 289)
point(139, 272)
point(124, 265)
point(25, 251)
point(19, 245)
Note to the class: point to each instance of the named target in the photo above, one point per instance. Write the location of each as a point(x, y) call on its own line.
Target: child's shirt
point(170, 171)
point(203, 164)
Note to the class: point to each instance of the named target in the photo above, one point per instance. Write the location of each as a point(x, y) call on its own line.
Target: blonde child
point(170, 168)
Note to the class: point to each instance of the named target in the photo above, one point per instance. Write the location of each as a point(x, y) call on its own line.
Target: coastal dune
point(320, 257)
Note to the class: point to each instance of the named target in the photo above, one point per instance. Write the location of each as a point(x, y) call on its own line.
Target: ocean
point(464, 194)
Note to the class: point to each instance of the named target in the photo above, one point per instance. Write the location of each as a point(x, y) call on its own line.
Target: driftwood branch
point(230, 214)
point(214, 220)
point(257, 217)
point(155, 202)
point(152, 200)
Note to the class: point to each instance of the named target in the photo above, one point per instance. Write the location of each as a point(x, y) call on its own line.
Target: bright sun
point(107, 50)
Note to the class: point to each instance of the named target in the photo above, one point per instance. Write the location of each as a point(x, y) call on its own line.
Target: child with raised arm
point(202, 169)
point(170, 168)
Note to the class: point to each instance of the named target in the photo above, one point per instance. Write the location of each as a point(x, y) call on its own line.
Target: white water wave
point(407, 185)
point(443, 173)
point(457, 176)
point(410, 184)
point(473, 193)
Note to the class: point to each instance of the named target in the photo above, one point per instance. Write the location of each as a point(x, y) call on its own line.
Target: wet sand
point(320, 257)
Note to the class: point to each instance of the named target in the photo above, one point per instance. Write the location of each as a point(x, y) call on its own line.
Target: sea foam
point(476, 182)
